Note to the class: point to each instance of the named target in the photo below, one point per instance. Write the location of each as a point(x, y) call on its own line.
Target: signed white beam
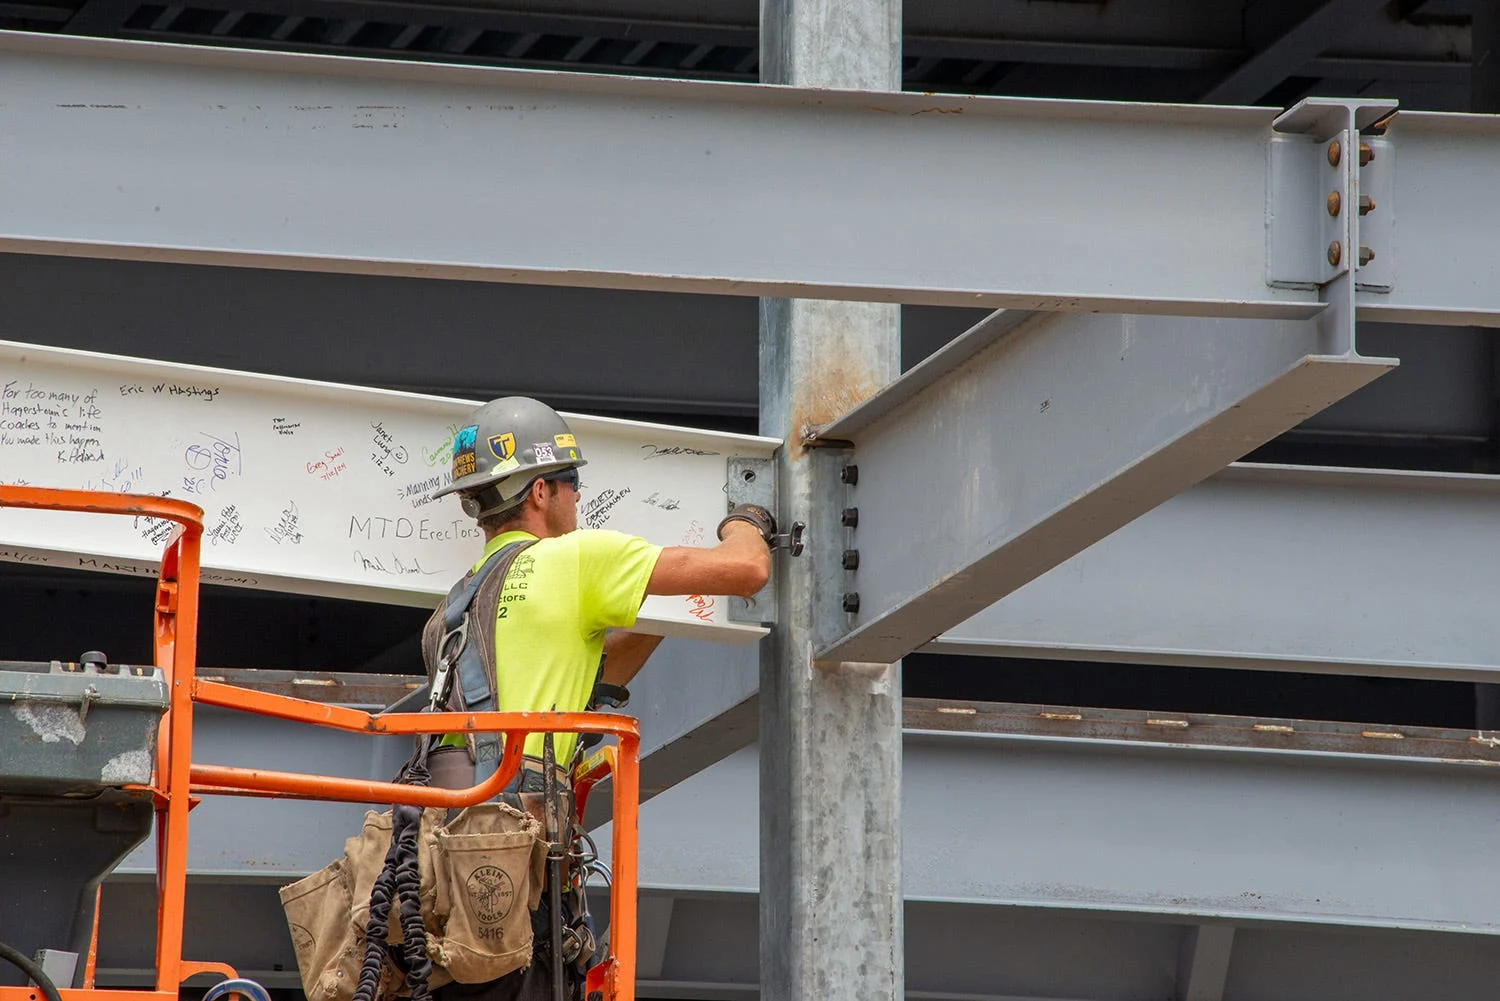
point(317, 488)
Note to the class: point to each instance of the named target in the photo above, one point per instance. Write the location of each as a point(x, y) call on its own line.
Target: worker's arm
point(625, 654)
point(740, 564)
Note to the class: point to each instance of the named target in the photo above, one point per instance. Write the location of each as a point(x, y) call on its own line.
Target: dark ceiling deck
point(1228, 51)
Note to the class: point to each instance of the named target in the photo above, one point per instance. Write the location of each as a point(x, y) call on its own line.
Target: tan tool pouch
point(481, 876)
point(317, 914)
point(490, 872)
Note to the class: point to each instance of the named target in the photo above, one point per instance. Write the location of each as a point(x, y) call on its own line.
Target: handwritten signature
point(218, 458)
point(656, 451)
point(397, 568)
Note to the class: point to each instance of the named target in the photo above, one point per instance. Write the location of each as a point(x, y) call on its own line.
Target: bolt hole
point(748, 476)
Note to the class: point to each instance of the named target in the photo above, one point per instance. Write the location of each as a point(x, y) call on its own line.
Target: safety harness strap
point(460, 672)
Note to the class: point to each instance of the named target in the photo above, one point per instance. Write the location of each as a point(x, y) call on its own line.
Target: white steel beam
point(1032, 437)
point(284, 160)
point(317, 488)
point(1347, 571)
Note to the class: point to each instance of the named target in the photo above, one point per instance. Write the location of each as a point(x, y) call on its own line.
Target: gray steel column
point(830, 772)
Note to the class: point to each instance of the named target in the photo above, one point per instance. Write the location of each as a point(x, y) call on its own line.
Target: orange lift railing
point(177, 782)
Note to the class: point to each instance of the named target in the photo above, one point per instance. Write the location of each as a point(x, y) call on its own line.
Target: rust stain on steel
point(839, 389)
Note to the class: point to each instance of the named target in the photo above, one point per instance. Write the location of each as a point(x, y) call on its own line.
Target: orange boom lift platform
point(175, 783)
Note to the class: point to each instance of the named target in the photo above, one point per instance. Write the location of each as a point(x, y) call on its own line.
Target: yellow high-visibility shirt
point(559, 597)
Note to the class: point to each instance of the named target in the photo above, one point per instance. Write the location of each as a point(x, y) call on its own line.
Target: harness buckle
point(449, 650)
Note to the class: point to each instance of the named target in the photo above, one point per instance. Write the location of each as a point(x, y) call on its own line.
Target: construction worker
point(568, 597)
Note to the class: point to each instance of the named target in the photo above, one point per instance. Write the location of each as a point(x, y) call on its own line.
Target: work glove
point(754, 514)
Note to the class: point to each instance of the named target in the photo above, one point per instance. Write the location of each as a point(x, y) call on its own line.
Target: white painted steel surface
point(318, 488)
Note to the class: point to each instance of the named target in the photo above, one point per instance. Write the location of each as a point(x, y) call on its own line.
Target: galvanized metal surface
point(830, 780)
point(1048, 435)
point(1011, 211)
point(831, 776)
point(1348, 571)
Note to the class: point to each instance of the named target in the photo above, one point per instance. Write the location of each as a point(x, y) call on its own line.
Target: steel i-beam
point(1032, 436)
point(1026, 204)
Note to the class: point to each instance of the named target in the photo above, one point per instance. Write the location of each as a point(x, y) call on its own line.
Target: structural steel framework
point(1242, 247)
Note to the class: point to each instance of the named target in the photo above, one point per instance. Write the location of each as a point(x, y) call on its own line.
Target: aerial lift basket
point(94, 753)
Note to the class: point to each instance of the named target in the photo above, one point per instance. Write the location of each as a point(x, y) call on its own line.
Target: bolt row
point(1336, 203)
point(849, 518)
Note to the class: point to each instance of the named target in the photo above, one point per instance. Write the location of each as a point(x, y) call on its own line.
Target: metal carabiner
point(450, 648)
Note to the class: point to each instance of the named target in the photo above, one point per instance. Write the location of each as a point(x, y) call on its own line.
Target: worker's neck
point(532, 522)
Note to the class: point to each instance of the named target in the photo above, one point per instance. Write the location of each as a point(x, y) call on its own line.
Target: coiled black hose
point(18, 959)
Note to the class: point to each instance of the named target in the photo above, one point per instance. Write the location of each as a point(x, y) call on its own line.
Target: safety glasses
point(568, 476)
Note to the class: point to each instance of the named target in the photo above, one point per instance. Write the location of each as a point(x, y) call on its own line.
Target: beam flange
point(1124, 412)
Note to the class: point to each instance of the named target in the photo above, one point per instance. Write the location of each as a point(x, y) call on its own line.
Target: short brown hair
point(493, 524)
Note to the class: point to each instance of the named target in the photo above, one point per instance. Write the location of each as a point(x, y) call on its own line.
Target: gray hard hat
point(504, 445)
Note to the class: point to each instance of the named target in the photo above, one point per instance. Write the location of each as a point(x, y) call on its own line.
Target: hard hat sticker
point(505, 465)
point(503, 445)
point(543, 451)
point(564, 441)
point(463, 451)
